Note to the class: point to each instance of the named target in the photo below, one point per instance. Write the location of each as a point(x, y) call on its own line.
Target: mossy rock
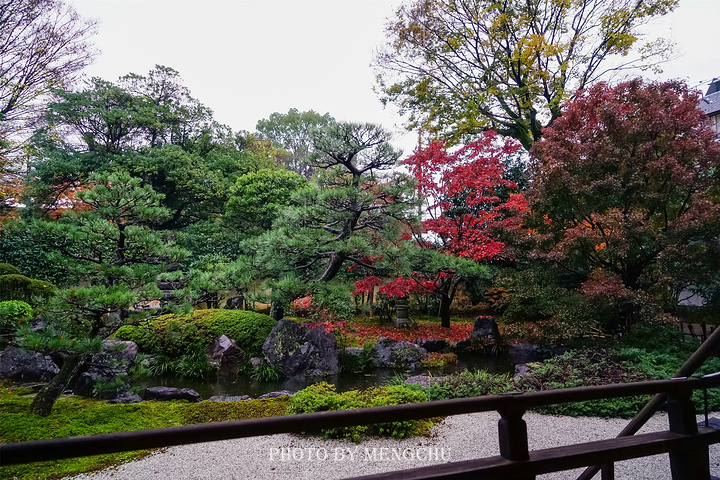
point(178, 334)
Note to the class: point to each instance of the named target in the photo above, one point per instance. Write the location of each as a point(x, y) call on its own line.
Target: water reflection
point(244, 385)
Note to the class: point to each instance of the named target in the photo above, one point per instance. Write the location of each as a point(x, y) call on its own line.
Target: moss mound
point(177, 334)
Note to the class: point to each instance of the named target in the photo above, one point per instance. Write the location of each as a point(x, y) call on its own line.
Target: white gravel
point(460, 437)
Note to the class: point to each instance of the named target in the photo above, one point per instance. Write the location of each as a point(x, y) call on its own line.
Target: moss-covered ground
point(74, 416)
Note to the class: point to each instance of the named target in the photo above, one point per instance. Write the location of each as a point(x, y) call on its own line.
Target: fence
point(686, 443)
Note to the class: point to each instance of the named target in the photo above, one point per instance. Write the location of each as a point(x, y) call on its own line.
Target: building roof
point(710, 104)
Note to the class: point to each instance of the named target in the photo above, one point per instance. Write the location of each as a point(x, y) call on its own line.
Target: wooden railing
point(685, 442)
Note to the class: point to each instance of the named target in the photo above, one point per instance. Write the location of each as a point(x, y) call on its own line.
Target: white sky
point(247, 59)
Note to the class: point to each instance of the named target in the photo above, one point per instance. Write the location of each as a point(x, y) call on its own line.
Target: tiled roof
point(710, 104)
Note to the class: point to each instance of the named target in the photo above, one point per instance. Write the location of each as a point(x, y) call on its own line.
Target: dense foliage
point(624, 195)
point(138, 205)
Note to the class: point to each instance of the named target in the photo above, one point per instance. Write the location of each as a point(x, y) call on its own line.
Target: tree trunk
point(444, 313)
point(46, 397)
point(277, 312)
point(447, 294)
point(333, 268)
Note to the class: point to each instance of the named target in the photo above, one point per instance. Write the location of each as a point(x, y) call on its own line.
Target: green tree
point(293, 131)
point(257, 198)
point(109, 237)
point(353, 213)
point(149, 126)
point(624, 193)
point(459, 67)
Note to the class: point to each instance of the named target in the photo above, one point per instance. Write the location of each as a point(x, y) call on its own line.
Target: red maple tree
point(466, 198)
point(465, 193)
point(625, 191)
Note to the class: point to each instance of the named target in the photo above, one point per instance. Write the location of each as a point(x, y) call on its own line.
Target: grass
point(74, 416)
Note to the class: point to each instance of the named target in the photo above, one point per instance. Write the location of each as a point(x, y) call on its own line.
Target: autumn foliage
point(463, 194)
point(625, 189)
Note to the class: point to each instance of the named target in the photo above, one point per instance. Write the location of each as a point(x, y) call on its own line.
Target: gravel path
point(461, 437)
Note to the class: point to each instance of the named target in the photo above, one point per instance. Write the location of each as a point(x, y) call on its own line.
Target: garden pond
point(236, 385)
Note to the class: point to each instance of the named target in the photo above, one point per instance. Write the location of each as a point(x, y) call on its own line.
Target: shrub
point(541, 308)
point(179, 334)
point(588, 367)
point(13, 312)
point(266, 373)
point(359, 362)
point(322, 397)
point(436, 359)
point(20, 287)
point(468, 384)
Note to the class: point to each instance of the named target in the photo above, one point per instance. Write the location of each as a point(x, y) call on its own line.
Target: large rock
point(170, 393)
point(113, 362)
point(126, 397)
point(225, 355)
point(123, 351)
point(279, 393)
point(485, 327)
point(423, 380)
point(521, 370)
point(301, 351)
point(397, 353)
point(432, 344)
point(26, 366)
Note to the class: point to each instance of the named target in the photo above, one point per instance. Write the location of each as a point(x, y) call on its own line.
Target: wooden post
point(512, 433)
point(696, 360)
point(607, 471)
point(686, 464)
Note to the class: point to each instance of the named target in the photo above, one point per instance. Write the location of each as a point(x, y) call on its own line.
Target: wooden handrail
point(696, 360)
point(27, 452)
point(556, 459)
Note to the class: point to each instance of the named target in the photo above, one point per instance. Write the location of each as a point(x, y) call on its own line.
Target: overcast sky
point(247, 59)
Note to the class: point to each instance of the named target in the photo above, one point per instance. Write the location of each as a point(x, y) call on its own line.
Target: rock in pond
point(24, 365)
point(485, 327)
point(280, 393)
point(397, 353)
point(524, 352)
point(432, 344)
point(116, 357)
point(224, 353)
point(170, 393)
point(230, 398)
point(127, 397)
point(301, 351)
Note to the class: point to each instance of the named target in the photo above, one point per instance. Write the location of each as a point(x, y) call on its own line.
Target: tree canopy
point(625, 187)
point(293, 132)
point(347, 215)
point(459, 67)
point(149, 126)
point(465, 195)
